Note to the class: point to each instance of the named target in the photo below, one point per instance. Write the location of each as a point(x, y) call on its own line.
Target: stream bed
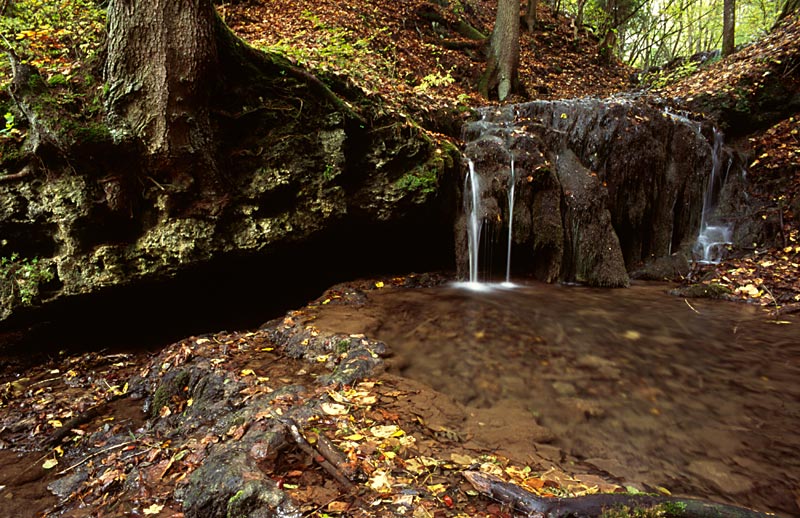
point(696, 396)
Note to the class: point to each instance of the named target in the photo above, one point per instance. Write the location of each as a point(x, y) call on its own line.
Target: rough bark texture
point(502, 66)
point(161, 70)
point(601, 187)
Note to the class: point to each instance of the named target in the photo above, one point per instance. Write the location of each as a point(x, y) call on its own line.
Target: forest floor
point(409, 453)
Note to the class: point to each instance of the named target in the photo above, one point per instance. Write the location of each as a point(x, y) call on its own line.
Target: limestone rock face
point(92, 228)
point(601, 186)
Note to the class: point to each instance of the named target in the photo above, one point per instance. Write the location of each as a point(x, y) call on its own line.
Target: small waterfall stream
point(472, 206)
point(714, 236)
point(511, 183)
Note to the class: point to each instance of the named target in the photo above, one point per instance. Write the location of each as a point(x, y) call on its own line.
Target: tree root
point(592, 506)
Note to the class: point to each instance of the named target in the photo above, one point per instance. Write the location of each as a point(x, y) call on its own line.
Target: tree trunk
point(728, 26)
point(161, 73)
point(502, 67)
point(530, 18)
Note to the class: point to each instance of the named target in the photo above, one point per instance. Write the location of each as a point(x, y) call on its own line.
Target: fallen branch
point(320, 459)
point(592, 506)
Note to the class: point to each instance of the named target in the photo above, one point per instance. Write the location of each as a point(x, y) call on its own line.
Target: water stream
point(696, 396)
point(714, 235)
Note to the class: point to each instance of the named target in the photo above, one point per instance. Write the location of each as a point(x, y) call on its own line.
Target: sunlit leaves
point(53, 36)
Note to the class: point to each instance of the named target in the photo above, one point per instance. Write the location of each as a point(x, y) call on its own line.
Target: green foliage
point(662, 78)
point(435, 80)
point(10, 124)
point(53, 36)
point(25, 275)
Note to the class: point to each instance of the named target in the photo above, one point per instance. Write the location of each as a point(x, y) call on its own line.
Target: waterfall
point(475, 221)
point(714, 236)
point(512, 181)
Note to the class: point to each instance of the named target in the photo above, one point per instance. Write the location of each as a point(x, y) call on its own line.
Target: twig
point(95, 454)
point(16, 176)
point(301, 441)
point(690, 306)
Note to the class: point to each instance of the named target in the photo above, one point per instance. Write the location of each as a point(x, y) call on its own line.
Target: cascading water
point(714, 236)
point(511, 182)
point(475, 222)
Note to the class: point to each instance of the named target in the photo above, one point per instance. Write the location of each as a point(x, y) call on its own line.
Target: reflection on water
point(700, 397)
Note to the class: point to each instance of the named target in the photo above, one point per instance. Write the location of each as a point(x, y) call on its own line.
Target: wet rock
point(315, 188)
point(66, 485)
point(229, 484)
point(601, 187)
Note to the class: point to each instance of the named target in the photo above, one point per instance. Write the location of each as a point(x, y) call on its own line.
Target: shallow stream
point(699, 397)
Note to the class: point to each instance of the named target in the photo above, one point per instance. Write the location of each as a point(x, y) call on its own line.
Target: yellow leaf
point(154, 509)
point(334, 409)
point(380, 482)
point(354, 437)
point(379, 284)
point(385, 431)
point(55, 423)
point(247, 372)
point(50, 464)
point(632, 335)
point(563, 115)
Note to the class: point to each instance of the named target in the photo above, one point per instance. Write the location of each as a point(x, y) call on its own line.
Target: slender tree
point(502, 67)
point(530, 17)
point(728, 27)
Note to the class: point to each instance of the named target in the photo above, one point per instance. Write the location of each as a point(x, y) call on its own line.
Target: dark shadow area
point(231, 293)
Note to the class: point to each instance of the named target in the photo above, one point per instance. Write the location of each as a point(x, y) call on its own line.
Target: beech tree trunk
point(161, 72)
point(530, 18)
point(728, 26)
point(502, 67)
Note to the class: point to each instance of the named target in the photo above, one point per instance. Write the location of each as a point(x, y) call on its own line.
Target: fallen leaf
point(154, 509)
point(50, 464)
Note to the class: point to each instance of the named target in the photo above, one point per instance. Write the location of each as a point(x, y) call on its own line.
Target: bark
point(598, 505)
point(161, 69)
point(531, 20)
point(728, 27)
point(502, 67)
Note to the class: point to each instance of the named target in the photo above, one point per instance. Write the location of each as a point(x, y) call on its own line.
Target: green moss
point(168, 388)
point(422, 180)
point(92, 133)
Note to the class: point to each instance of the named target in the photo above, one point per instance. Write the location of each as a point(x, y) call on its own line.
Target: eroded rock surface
point(601, 186)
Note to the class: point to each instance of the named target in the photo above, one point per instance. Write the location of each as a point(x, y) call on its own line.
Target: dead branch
point(320, 459)
point(592, 506)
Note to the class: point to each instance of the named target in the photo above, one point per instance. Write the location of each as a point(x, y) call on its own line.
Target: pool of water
point(700, 397)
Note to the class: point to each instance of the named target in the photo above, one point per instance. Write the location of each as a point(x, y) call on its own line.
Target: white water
point(510, 221)
point(714, 237)
point(472, 207)
point(473, 210)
